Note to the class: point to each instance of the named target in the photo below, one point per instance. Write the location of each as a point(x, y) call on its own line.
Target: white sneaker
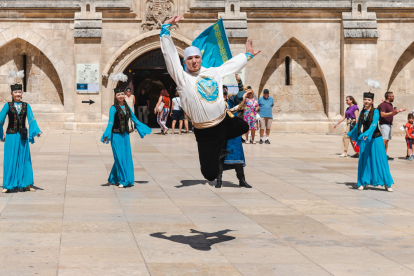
point(389, 189)
point(5, 190)
point(361, 187)
point(120, 186)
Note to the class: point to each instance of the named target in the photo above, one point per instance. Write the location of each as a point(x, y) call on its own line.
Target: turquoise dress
point(373, 168)
point(123, 169)
point(235, 146)
point(17, 165)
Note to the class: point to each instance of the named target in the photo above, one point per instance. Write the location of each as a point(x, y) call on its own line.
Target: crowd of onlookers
point(387, 113)
point(257, 112)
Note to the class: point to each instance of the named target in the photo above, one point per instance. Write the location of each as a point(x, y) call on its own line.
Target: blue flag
point(214, 45)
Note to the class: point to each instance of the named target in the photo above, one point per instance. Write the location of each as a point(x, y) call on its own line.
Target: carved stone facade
point(333, 47)
point(157, 12)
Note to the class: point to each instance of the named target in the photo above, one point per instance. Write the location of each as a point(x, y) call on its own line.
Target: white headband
point(191, 51)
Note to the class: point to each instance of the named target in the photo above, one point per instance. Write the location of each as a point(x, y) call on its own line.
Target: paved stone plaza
point(302, 217)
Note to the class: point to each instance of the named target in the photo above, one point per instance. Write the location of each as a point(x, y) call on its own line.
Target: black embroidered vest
point(16, 121)
point(366, 125)
point(121, 120)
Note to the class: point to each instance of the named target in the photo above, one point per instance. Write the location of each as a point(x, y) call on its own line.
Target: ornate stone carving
point(157, 12)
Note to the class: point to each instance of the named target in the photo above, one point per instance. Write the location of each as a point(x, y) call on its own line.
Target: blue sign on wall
point(82, 87)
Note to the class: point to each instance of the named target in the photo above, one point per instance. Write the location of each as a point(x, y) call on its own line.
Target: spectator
point(177, 113)
point(351, 113)
point(409, 131)
point(164, 100)
point(130, 100)
point(266, 104)
point(143, 107)
point(250, 111)
point(387, 112)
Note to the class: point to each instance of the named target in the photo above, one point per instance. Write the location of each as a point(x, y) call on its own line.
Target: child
point(409, 130)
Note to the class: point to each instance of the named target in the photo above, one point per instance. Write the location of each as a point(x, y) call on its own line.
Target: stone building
point(314, 53)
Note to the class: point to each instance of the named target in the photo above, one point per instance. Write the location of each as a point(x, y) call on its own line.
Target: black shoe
point(390, 158)
point(219, 183)
point(267, 142)
point(261, 141)
point(220, 175)
point(243, 183)
point(406, 158)
point(243, 140)
point(224, 153)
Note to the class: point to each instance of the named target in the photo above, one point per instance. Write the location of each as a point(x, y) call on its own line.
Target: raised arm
point(238, 62)
point(241, 88)
point(172, 59)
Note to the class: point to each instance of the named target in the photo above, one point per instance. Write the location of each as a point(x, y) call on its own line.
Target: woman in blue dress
point(373, 166)
point(117, 132)
point(17, 165)
point(235, 159)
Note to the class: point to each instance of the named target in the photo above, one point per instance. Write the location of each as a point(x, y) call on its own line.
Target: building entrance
point(149, 72)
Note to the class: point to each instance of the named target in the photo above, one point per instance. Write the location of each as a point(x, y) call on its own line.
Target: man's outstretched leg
point(210, 142)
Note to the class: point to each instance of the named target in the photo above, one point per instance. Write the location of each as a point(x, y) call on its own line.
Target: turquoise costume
point(17, 165)
point(373, 168)
point(117, 132)
point(235, 146)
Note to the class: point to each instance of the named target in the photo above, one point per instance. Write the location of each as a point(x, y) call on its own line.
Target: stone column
point(88, 33)
point(359, 52)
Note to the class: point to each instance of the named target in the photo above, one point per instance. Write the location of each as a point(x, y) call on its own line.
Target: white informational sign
point(87, 78)
point(231, 79)
point(231, 82)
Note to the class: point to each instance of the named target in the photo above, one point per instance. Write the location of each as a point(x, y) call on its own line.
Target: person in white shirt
point(177, 114)
point(201, 95)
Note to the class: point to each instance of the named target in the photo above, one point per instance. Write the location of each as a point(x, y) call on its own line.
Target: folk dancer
point(235, 159)
point(117, 132)
point(200, 91)
point(17, 165)
point(373, 166)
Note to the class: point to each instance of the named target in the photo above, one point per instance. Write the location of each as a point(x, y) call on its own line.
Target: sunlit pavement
point(302, 217)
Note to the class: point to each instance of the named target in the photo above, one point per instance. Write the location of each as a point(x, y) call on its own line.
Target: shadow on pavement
point(188, 183)
point(201, 241)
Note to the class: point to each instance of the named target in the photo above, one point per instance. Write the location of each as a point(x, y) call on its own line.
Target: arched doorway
point(149, 72)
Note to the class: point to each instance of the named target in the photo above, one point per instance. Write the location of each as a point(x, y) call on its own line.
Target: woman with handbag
point(352, 112)
point(117, 132)
point(163, 108)
point(17, 165)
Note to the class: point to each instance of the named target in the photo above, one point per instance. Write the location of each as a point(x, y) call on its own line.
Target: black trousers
point(212, 140)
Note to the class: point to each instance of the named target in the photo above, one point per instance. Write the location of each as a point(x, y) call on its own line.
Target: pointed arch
point(401, 82)
point(305, 91)
point(128, 52)
point(43, 82)
point(51, 52)
point(328, 62)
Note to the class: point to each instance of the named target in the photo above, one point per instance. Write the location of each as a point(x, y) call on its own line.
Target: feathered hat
point(16, 76)
point(116, 78)
point(373, 84)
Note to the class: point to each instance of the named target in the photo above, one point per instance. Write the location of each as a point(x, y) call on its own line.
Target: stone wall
point(43, 83)
point(305, 96)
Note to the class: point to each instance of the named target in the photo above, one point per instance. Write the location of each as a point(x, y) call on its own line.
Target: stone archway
point(304, 97)
point(401, 81)
point(129, 52)
point(324, 61)
point(52, 53)
point(43, 83)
